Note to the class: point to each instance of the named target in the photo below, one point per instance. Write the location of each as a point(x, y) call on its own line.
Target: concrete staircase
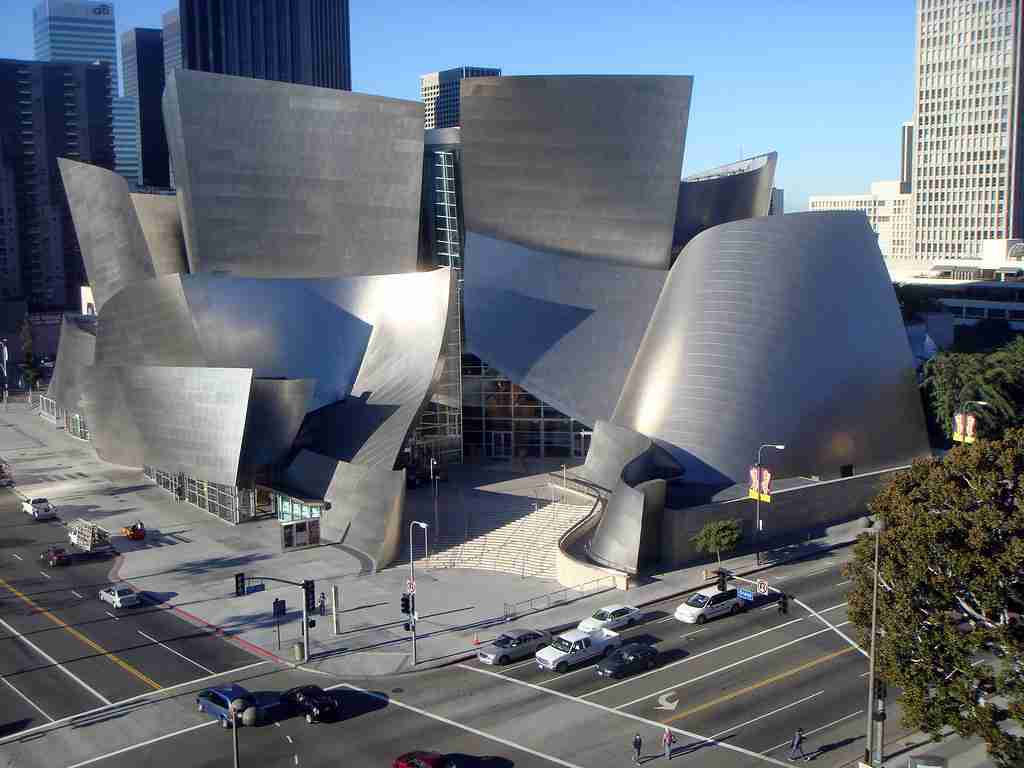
point(506, 540)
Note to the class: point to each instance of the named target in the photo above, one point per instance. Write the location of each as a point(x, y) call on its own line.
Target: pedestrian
point(637, 746)
point(797, 747)
point(323, 604)
point(783, 607)
point(667, 740)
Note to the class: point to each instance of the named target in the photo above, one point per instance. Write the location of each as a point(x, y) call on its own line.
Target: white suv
point(119, 596)
point(40, 509)
point(707, 604)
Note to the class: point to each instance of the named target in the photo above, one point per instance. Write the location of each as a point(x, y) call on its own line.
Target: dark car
point(216, 702)
point(421, 759)
point(634, 657)
point(54, 556)
point(312, 701)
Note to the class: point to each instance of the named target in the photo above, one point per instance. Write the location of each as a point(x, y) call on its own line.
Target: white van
point(707, 604)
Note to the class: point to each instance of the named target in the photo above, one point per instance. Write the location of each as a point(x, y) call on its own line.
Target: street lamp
point(234, 729)
point(875, 741)
point(3, 365)
point(434, 478)
point(757, 523)
point(412, 583)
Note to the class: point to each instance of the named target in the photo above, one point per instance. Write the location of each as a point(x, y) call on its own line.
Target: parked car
point(54, 556)
point(119, 596)
point(575, 647)
point(611, 617)
point(217, 702)
point(707, 604)
point(513, 645)
point(39, 508)
point(312, 701)
point(630, 658)
point(421, 759)
point(6, 481)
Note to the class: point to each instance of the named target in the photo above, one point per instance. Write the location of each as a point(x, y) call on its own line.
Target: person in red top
point(667, 740)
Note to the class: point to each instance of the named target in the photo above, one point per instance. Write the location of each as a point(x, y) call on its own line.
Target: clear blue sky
point(825, 83)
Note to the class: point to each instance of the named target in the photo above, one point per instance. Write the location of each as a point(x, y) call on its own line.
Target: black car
point(312, 701)
point(630, 658)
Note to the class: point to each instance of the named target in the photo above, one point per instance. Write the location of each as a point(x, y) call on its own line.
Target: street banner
point(965, 427)
point(760, 484)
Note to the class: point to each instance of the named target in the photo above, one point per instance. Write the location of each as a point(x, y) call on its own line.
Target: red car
point(421, 759)
point(54, 556)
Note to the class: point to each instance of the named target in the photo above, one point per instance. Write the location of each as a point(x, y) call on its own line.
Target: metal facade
point(161, 226)
point(75, 355)
point(584, 165)
point(329, 178)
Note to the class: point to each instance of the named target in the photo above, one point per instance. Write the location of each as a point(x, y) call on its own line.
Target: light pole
point(434, 478)
point(234, 729)
point(412, 584)
point(876, 720)
point(3, 364)
point(757, 522)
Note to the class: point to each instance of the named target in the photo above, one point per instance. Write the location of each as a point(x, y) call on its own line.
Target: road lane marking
point(767, 714)
point(113, 616)
point(27, 700)
point(693, 633)
point(44, 574)
point(92, 644)
point(865, 674)
point(760, 684)
point(847, 581)
point(186, 658)
point(816, 730)
point(704, 653)
point(49, 658)
point(727, 667)
point(70, 719)
point(15, 554)
point(76, 594)
point(518, 664)
point(463, 726)
point(608, 710)
point(289, 739)
point(769, 607)
point(121, 751)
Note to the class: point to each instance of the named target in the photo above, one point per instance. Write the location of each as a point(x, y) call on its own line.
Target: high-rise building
point(126, 139)
point(777, 207)
point(76, 30)
point(142, 73)
point(10, 263)
point(888, 211)
point(292, 41)
point(906, 158)
point(51, 110)
point(172, 41)
point(440, 94)
point(967, 117)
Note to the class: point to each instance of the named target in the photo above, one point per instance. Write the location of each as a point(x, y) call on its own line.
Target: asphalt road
point(63, 651)
point(746, 681)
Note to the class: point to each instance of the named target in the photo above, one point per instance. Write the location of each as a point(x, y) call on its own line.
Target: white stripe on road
point(728, 666)
point(816, 730)
point(454, 724)
point(27, 699)
point(44, 574)
point(519, 664)
point(702, 653)
point(847, 581)
point(115, 618)
point(628, 715)
point(121, 751)
point(55, 663)
point(15, 554)
point(693, 633)
point(186, 658)
point(767, 714)
point(769, 607)
point(289, 739)
point(76, 594)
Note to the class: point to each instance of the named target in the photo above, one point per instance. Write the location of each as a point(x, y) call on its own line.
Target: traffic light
point(722, 576)
point(312, 623)
point(309, 590)
point(408, 626)
point(406, 603)
point(239, 584)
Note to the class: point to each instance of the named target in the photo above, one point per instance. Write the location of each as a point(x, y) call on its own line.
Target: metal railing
point(562, 596)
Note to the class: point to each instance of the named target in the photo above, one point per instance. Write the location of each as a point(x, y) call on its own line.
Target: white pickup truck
point(575, 647)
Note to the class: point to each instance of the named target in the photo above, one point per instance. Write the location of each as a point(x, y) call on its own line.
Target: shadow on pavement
point(6, 729)
point(824, 749)
point(459, 760)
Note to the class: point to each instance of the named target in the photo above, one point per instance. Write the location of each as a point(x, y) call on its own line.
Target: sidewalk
point(189, 559)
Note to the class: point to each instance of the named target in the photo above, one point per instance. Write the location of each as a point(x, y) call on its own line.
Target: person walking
point(797, 746)
point(667, 740)
point(637, 746)
point(323, 604)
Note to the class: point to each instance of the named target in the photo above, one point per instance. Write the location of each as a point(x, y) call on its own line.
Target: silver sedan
point(513, 645)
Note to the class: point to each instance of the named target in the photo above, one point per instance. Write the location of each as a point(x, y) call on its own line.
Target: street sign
point(745, 593)
point(280, 608)
point(410, 586)
point(259, 586)
point(762, 587)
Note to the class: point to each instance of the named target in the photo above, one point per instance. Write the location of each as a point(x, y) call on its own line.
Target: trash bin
point(297, 651)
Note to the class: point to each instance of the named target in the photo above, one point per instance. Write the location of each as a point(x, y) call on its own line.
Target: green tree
point(951, 592)
point(28, 366)
point(718, 536)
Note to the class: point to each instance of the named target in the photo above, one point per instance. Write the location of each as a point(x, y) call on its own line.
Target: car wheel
point(734, 610)
point(561, 667)
point(503, 660)
point(650, 663)
point(309, 718)
point(701, 619)
point(631, 622)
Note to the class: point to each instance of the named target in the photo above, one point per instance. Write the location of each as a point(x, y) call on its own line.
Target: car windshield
point(562, 644)
point(503, 641)
point(602, 615)
point(698, 600)
point(123, 592)
point(39, 501)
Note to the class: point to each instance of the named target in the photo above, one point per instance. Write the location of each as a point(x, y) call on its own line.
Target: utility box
point(297, 651)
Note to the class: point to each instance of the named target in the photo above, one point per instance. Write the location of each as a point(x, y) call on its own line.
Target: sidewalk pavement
point(189, 559)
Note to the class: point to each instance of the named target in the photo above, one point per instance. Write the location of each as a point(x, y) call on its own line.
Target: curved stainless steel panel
point(330, 178)
point(161, 226)
point(113, 431)
point(75, 356)
point(542, 319)
point(741, 190)
point(276, 410)
point(113, 247)
point(584, 165)
point(617, 453)
point(783, 329)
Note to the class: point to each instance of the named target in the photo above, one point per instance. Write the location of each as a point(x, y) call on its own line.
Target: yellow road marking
point(98, 648)
point(755, 686)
